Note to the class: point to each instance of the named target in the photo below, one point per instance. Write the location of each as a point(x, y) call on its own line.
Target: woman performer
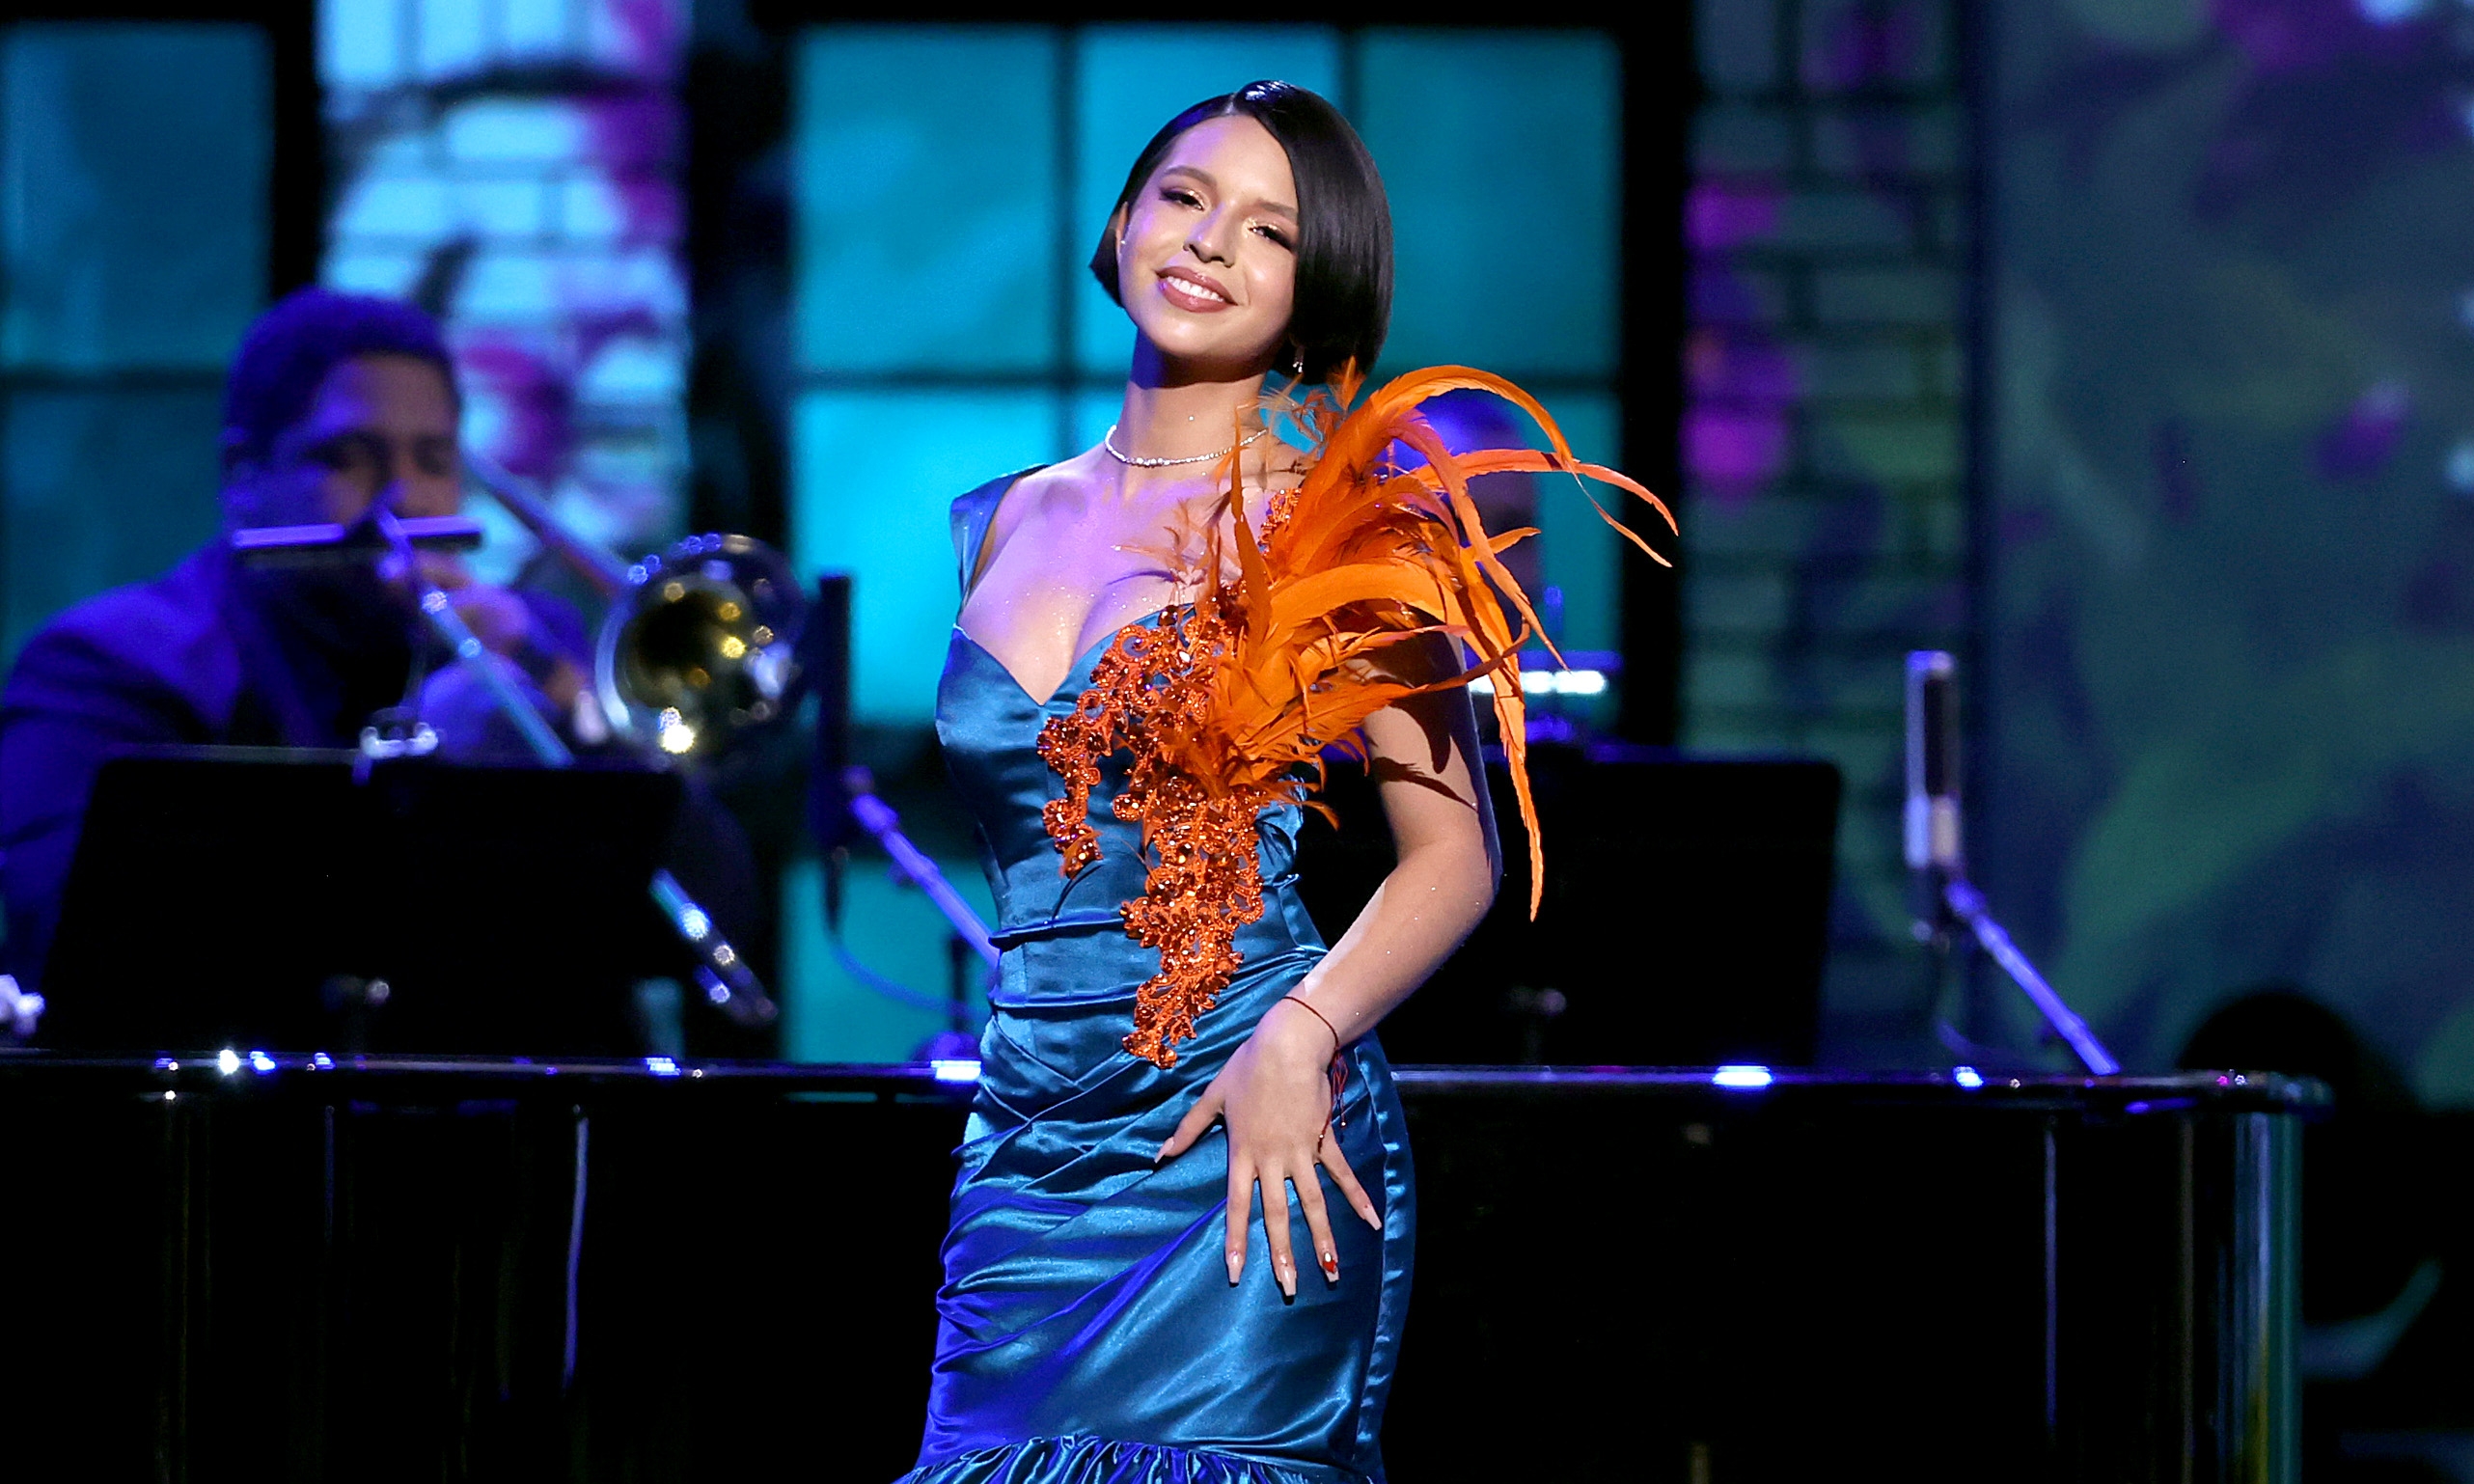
point(1158, 638)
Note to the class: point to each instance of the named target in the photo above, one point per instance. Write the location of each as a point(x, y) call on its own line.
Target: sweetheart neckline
point(1072, 669)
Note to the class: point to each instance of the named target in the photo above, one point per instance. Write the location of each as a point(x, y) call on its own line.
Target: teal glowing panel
point(1582, 557)
point(1504, 158)
point(1094, 412)
point(99, 488)
point(133, 164)
point(875, 473)
point(890, 930)
point(927, 186)
point(1129, 80)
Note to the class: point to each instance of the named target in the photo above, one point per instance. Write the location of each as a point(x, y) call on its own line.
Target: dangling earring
point(1297, 363)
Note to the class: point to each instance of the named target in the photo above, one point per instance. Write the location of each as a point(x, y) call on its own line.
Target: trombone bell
point(698, 645)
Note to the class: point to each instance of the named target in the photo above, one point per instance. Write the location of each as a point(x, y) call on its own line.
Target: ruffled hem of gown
point(1083, 1460)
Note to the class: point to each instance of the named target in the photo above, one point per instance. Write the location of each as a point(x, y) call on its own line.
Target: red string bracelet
point(1319, 1015)
point(1340, 1069)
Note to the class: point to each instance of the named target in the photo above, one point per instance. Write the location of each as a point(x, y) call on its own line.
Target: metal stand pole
point(878, 819)
point(1967, 904)
point(957, 984)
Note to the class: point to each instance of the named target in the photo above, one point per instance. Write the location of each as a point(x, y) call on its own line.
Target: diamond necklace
point(1108, 441)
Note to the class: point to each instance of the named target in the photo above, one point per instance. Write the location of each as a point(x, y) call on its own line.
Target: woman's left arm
point(1274, 1093)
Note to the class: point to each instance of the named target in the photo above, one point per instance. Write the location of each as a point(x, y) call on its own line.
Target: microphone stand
point(728, 984)
point(1934, 854)
point(1966, 905)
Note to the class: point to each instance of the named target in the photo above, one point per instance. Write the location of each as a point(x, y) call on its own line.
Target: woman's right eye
point(1181, 196)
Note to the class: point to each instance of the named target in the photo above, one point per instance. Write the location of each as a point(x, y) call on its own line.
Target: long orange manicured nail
point(1331, 1267)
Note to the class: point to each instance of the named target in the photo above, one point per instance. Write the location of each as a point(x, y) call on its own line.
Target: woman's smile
point(1194, 291)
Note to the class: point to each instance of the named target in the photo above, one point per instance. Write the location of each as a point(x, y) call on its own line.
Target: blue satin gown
point(1087, 1329)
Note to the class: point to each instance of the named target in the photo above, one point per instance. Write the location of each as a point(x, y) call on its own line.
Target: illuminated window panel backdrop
point(133, 249)
point(951, 181)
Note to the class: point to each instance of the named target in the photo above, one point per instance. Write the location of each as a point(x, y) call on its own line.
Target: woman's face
point(1206, 256)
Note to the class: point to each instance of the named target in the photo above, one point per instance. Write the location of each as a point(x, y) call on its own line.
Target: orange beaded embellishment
point(1204, 883)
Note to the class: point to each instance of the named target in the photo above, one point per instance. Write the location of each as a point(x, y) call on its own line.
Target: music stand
point(1686, 920)
point(264, 898)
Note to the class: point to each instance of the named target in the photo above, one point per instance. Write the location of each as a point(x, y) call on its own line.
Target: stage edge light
point(1742, 1076)
point(955, 1071)
point(1549, 682)
point(1967, 1077)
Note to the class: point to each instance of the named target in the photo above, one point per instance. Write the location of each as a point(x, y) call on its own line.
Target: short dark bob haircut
point(1343, 304)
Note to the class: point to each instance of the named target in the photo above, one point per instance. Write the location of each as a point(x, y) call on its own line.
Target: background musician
point(336, 403)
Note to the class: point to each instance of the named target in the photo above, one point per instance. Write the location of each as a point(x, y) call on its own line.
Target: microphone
point(1933, 835)
point(824, 668)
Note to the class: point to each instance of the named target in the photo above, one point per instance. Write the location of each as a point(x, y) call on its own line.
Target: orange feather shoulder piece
point(1225, 704)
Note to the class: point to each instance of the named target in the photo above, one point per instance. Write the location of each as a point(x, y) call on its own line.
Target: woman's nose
point(1210, 239)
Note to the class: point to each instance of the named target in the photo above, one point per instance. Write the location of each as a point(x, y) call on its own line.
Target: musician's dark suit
point(204, 653)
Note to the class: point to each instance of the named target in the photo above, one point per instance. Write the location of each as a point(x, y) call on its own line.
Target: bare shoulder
point(1054, 490)
point(1057, 491)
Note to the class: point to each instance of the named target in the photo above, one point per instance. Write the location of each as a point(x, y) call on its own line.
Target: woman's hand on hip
point(1274, 1094)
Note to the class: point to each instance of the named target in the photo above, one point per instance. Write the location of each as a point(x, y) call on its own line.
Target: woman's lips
point(1193, 292)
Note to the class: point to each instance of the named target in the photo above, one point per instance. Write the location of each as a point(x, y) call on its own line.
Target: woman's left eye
point(1273, 233)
